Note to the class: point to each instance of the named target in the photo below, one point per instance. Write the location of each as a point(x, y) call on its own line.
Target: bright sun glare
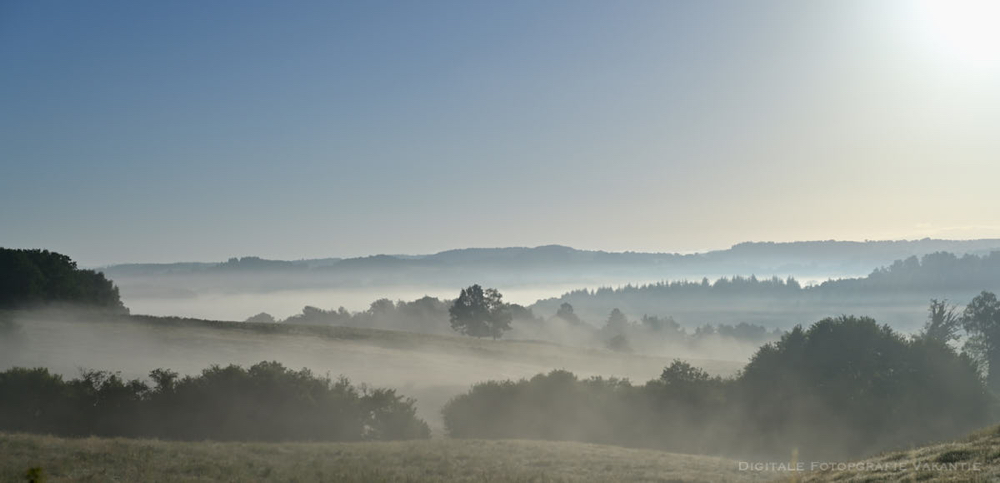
point(966, 31)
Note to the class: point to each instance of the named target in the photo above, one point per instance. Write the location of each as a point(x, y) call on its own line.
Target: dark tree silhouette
point(261, 318)
point(265, 402)
point(981, 321)
point(480, 313)
point(34, 277)
point(943, 323)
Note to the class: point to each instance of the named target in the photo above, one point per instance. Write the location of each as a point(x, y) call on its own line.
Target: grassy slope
point(546, 354)
point(97, 459)
point(976, 458)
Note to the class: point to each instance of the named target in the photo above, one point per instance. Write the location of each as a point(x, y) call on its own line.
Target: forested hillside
point(34, 277)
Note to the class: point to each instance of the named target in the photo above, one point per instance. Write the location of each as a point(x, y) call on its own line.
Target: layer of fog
point(186, 297)
point(228, 304)
point(431, 369)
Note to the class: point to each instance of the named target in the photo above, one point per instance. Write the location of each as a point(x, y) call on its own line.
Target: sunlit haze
point(135, 131)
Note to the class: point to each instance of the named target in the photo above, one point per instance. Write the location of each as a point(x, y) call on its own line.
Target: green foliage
point(860, 385)
point(266, 402)
point(35, 474)
point(548, 406)
point(31, 277)
point(480, 313)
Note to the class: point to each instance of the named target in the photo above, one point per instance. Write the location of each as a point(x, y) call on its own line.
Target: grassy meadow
point(975, 458)
point(101, 460)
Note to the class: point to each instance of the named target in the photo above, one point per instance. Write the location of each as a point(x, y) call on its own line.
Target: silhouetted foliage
point(261, 318)
point(480, 313)
point(33, 277)
point(861, 383)
point(426, 314)
point(943, 323)
point(844, 387)
point(266, 402)
point(981, 321)
point(782, 302)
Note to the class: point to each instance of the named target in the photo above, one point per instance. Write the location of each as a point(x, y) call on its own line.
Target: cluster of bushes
point(266, 402)
point(427, 314)
point(31, 277)
point(844, 387)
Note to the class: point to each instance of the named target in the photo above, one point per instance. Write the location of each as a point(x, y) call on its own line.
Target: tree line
point(843, 387)
point(482, 312)
point(35, 277)
point(265, 402)
point(894, 292)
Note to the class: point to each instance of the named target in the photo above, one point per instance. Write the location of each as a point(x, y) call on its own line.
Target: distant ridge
point(828, 256)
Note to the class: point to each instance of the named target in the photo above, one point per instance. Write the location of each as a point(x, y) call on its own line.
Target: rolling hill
point(430, 368)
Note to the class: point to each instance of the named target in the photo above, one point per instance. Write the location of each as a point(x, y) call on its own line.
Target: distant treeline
point(936, 270)
point(35, 277)
point(266, 402)
point(777, 301)
point(844, 387)
point(431, 315)
point(427, 315)
point(746, 309)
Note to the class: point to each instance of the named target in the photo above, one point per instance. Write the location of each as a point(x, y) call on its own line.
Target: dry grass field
point(126, 460)
point(976, 458)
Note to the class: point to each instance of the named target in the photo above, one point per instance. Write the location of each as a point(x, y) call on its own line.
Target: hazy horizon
point(701, 236)
point(144, 132)
point(160, 260)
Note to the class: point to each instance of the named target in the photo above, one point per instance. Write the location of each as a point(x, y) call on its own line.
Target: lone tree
point(981, 321)
point(480, 313)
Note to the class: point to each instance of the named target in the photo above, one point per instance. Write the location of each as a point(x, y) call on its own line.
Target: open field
point(430, 368)
point(976, 458)
point(95, 459)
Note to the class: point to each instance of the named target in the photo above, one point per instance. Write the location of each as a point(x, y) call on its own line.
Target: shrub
point(266, 402)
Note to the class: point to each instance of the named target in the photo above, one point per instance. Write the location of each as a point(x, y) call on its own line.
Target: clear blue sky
point(166, 131)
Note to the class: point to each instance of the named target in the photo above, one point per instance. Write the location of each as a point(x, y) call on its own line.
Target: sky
point(182, 131)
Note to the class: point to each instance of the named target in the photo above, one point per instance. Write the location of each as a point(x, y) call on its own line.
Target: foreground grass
point(976, 458)
point(99, 459)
